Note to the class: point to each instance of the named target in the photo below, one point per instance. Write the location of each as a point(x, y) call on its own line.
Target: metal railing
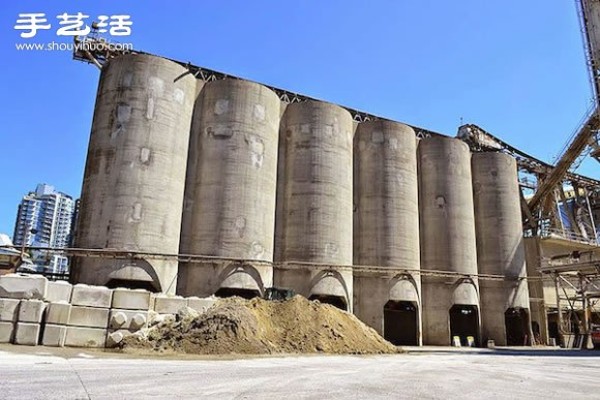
point(205, 259)
point(547, 232)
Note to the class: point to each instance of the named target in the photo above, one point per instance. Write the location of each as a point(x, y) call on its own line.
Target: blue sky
point(514, 67)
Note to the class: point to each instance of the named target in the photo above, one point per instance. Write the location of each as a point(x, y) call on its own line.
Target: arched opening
point(400, 323)
point(335, 301)
point(516, 321)
point(132, 284)
point(464, 324)
point(239, 292)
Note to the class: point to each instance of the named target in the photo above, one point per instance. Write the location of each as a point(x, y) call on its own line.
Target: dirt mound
point(257, 326)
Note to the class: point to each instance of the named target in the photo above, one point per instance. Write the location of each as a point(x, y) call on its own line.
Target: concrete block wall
point(34, 311)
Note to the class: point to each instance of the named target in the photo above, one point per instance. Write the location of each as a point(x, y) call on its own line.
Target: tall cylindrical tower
point(386, 229)
point(317, 201)
point(450, 304)
point(135, 171)
point(235, 128)
point(505, 314)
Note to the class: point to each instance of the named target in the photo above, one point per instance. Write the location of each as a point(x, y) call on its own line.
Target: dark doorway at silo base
point(464, 322)
point(400, 322)
point(516, 321)
point(335, 301)
point(239, 292)
point(535, 330)
point(553, 331)
point(131, 284)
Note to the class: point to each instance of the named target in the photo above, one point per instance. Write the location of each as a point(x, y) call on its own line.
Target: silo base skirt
point(225, 279)
point(152, 275)
point(505, 316)
point(326, 284)
point(450, 308)
point(391, 305)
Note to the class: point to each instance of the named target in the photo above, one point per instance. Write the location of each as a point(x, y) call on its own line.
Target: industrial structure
point(201, 183)
point(232, 179)
point(134, 178)
point(447, 221)
point(303, 195)
point(386, 230)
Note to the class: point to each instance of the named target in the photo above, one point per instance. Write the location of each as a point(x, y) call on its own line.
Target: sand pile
point(257, 326)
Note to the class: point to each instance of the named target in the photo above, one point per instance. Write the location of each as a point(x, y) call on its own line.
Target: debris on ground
point(238, 326)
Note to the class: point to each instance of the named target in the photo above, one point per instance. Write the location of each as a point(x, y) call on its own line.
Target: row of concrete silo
point(299, 196)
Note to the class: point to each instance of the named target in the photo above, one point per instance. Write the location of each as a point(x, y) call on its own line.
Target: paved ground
point(43, 373)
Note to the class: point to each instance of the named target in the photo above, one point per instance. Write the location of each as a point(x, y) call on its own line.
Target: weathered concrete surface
point(373, 291)
point(9, 310)
point(132, 194)
point(54, 335)
point(164, 304)
point(447, 223)
point(58, 291)
point(7, 332)
point(235, 129)
point(89, 317)
point(31, 311)
point(27, 333)
point(58, 313)
point(444, 375)
point(17, 286)
point(538, 305)
point(500, 249)
point(189, 195)
point(205, 279)
point(131, 299)
point(317, 184)
point(114, 337)
point(386, 217)
point(91, 296)
point(237, 124)
point(200, 305)
point(128, 319)
point(315, 280)
point(315, 194)
point(85, 337)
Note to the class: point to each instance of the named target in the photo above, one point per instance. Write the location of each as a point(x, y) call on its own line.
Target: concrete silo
point(235, 129)
point(315, 192)
point(189, 193)
point(447, 222)
point(386, 230)
point(505, 316)
point(135, 171)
